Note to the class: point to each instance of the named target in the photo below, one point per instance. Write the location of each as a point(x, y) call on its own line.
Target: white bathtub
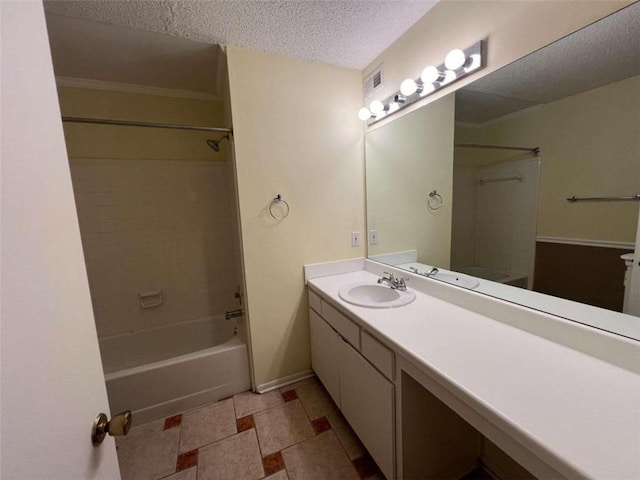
point(160, 372)
point(495, 276)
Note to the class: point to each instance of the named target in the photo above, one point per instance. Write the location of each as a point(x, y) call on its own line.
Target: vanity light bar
point(458, 64)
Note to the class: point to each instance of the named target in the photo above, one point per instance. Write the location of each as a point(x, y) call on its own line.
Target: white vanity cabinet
point(366, 401)
point(325, 349)
point(360, 386)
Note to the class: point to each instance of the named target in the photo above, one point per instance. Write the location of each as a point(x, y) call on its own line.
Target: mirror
point(472, 189)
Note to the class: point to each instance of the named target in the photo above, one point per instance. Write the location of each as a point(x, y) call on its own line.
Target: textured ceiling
point(349, 33)
point(602, 53)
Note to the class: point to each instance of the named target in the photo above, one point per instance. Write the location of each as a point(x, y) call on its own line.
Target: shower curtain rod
point(130, 123)
point(534, 150)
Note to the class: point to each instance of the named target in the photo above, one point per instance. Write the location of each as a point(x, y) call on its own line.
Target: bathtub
point(160, 372)
point(495, 276)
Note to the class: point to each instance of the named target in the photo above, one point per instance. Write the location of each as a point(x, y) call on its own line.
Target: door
point(52, 380)
point(325, 354)
point(366, 401)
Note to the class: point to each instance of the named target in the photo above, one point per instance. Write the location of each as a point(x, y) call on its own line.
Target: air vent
point(373, 82)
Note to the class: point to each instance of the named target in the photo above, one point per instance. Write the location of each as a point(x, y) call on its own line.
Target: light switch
point(373, 237)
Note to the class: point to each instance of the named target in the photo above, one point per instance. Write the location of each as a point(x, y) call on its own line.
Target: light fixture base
point(447, 77)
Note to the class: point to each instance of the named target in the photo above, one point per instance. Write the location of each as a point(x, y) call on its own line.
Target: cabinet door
point(325, 344)
point(367, 403)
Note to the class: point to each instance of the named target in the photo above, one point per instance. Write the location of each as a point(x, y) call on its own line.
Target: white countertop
point(576, 412)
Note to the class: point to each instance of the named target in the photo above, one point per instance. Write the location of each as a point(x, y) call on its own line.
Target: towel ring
point(435, 197)
point(278, 200)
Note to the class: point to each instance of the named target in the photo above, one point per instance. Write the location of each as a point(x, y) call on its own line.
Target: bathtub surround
point(160, 225)
point(155, 210)
point(494, 223)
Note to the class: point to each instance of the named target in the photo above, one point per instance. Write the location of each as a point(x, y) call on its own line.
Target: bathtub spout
point(233, 314)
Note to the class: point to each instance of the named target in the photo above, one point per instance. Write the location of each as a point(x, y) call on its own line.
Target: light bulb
point(364, 114)
point(455, 59)
point(475, 63)
point(449, 76)
point(428, 88)
point(376, 107)
point(408, 87)
point(430, 74)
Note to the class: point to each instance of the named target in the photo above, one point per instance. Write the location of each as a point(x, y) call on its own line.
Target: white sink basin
point(457, 279)
point(372, 295)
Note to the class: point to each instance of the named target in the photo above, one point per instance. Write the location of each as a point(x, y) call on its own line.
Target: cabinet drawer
point(379, 355)
point(315, 302)
point(345, 327)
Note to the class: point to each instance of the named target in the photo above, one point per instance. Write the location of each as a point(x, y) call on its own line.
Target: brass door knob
point(119, 425)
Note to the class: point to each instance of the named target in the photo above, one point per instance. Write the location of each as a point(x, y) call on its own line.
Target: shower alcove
point(157, 209)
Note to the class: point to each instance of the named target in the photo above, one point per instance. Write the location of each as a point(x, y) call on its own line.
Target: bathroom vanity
point(431, 387)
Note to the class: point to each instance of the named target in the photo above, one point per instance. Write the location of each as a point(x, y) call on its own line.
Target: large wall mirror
point(472, 189)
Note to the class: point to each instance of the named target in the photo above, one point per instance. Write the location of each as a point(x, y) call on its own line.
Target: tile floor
point(293, 433)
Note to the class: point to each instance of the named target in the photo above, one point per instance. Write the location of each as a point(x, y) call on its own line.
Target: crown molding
point(91, 84)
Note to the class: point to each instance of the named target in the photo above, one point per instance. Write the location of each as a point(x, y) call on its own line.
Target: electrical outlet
point(355, 239)
point(373, 237)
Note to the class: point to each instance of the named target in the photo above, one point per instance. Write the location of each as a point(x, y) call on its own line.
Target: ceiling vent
point(374, 82)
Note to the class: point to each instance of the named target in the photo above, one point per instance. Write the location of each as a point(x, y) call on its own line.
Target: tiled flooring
point(294, 433)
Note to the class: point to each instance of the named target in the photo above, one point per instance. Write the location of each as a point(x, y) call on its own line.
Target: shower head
point(215, 144)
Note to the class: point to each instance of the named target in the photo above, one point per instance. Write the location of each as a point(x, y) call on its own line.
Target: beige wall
point(99, 141)
point(590, 144)
point(405, 161)
point(512, 29)
point(155, 209)
point(297, 134)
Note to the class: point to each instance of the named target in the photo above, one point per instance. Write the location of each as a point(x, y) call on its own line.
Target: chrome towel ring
point(434, 200)
point(278, 201)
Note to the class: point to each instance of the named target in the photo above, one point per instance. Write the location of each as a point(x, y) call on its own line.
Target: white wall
point(297, 134)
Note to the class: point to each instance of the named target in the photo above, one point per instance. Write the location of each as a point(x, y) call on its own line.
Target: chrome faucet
point(430, 272)
point(396, 283)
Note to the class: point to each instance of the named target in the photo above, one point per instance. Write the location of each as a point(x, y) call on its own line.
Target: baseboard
point(284, 381)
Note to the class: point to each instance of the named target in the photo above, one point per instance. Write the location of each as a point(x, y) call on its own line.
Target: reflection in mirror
point(499, 222)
